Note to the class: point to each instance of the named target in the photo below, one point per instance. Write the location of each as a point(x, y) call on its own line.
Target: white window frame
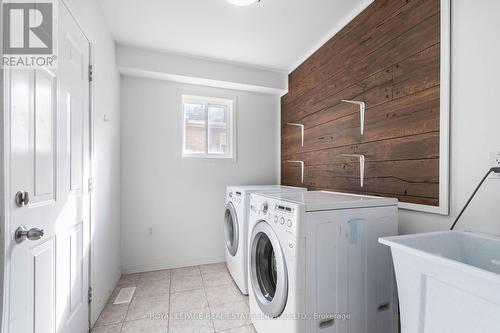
point(227, 102)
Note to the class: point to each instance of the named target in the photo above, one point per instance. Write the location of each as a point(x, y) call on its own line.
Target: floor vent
point(125, 296)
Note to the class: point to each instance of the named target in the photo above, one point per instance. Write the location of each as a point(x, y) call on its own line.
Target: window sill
point(226, 159)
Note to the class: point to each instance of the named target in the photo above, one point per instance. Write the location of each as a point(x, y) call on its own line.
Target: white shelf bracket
point(362, 160)
point(362, 108)
point(302, 165)
point(301, 129)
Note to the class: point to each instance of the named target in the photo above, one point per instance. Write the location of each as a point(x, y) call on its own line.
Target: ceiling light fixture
point(242, 2)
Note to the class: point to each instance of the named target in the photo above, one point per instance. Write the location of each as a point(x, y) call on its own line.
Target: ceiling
point(273, 34)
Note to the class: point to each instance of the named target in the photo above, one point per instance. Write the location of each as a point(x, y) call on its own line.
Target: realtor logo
point(28, 34)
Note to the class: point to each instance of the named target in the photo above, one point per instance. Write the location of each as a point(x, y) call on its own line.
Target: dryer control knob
point(276, 218)
point(282, 221)
point(289, 223)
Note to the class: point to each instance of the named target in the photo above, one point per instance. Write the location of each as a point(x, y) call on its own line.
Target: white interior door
point(49, 161)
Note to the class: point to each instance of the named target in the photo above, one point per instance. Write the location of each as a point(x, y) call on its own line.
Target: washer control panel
point(283, 216)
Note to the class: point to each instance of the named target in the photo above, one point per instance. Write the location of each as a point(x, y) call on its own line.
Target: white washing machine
point(315, 264)
point(236, 228)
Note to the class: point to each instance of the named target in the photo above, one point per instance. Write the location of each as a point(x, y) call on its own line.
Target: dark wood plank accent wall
point(388, 57)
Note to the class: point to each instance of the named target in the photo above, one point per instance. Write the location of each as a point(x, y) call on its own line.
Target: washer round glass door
point(268, 273)
point(231, 229)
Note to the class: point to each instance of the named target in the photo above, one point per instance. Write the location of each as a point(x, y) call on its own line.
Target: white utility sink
point(447, 282)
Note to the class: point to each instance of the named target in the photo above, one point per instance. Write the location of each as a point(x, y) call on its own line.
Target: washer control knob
point(282, 221)
point(289, 223)
point(276, 218)
point(264, 207)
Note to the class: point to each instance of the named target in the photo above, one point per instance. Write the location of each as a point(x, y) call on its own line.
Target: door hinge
point(90, 294)
point(91, 73)
point(91, 184)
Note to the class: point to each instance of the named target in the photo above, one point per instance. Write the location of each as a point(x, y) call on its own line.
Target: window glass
point(194, 128)
point(208, 129)
point(217, 130)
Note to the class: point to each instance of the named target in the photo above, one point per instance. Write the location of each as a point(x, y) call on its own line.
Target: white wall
point(475, 120)
point(191, 70)
point(183, 200)
point(106, 168)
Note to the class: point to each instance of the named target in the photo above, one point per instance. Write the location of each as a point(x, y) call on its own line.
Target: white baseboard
point(129, 269)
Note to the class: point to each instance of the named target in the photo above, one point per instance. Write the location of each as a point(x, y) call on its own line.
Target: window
point(208, 127)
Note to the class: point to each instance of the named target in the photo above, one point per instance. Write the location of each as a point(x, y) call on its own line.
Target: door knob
point(22, 199)
point(22, 233)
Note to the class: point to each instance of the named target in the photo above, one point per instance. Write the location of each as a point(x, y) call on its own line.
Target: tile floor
point(195, 299)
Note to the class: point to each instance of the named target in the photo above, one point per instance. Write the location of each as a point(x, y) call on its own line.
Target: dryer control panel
point(234, 196)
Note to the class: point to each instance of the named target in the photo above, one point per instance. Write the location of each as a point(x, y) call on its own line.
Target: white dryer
point(236, 228)
point(315, 264)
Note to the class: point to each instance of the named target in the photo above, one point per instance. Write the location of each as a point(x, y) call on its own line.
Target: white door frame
point(4, 215)
point(5, 232)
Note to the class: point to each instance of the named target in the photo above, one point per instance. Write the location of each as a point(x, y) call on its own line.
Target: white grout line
point(128, 308)
point(208, 303)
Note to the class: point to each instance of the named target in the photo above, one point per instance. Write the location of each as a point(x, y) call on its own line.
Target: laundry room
point(250, 166)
